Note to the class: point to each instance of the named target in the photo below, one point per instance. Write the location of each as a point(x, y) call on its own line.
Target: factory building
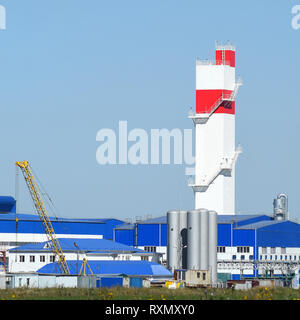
point(247, 245)
point(17, 229)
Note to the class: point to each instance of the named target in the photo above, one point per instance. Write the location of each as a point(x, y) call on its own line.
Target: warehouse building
point(32, 257)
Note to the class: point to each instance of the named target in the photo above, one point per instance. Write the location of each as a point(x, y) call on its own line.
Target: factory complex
point(207, 245)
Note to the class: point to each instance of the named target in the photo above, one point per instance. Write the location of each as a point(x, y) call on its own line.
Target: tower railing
point(209, 110)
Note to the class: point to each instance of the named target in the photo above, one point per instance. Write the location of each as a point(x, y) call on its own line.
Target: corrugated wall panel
point(284, 234)
point(163, 235)
point(243, 237)
point(224, 235)
point(148, 235)
point(125, 236)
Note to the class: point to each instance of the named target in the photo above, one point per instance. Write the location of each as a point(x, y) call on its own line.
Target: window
point(271, 257)
point(260, 257)
point(251, 257)
point(273, 250)
point(242, 257)
point(264, 250)
point(32, 258)
point(52, 258)
point(221, 249)
point(283, 250)
point(266, 257)
point(198, 275)
point(144, 258)
point(27, 281)
point(42, 259)
point(243, 249)
point(285, 257)
point(281, 257)
point(290, 257)
point(295, 258)
point(21, 258)
point(234, 257)
point(150, 249)
point(275, 257)
point(203, 276)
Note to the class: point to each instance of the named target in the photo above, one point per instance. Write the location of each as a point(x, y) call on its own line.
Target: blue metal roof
point(131, 268)
point(259, 224)
point(221, 219)
point(162, 219)
point(7, 204)
point(86, 245)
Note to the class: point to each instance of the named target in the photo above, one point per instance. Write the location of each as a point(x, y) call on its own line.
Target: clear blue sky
point(70, 68)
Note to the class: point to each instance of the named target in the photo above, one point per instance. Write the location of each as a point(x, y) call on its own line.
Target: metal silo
point(193, 239)
point(183, 236)
point(204, 265)
point(213, 242)
point(176, 239)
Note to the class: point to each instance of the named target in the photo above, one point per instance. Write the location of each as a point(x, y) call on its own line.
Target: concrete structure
point(216, 89)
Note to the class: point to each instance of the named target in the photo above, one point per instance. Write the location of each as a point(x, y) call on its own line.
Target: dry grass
point(118, 293)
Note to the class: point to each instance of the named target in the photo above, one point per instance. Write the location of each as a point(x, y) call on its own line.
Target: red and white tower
point(215, 153)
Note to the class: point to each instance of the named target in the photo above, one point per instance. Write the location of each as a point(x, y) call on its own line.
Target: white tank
point(183, 236)
point(213, 242)
point(176, 239)
point(204, 239)
point(193, 240)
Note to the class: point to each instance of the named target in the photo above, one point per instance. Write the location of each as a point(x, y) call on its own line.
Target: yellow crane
point(42, 212)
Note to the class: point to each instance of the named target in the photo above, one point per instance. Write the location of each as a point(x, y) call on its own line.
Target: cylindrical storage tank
point(203, 239)
point(193, 240)
point(173, 240)
point(183, 237)
point(213, 242)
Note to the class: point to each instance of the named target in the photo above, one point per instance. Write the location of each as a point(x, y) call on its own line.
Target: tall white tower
point(216, 89)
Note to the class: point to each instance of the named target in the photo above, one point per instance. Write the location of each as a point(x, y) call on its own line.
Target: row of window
point(150, 249)
point(239, 249)
point(32, 258)
point(264, 250)
point(281, 257)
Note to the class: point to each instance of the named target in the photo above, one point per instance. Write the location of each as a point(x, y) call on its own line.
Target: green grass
point(118, 293)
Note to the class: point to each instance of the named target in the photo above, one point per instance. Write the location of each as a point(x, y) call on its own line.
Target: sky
point(70, 68)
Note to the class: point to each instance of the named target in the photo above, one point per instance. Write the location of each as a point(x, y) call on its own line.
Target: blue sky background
point(70, 68)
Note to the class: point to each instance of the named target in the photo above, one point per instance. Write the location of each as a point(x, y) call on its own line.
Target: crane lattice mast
point(42, 212)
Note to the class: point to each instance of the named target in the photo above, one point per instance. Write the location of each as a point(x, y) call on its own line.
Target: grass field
point(118, 293)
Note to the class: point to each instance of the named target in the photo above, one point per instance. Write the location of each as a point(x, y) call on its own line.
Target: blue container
point(108, 282)
point(136, 282)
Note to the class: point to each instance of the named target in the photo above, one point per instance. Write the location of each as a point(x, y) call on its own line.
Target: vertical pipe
point(193, 240)
point(213, 242)
point(204, 239)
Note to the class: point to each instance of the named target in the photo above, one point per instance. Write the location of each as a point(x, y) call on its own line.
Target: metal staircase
point(225, 168)
point(226, 98)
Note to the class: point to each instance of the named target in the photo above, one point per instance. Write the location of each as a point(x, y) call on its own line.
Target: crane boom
point(42, 212)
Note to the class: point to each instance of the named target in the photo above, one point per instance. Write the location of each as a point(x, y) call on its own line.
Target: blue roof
point(239, 219)
point(86, 245)
point(260, 224)
point(162, 219)
point(7, 204)
point(131, 268)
